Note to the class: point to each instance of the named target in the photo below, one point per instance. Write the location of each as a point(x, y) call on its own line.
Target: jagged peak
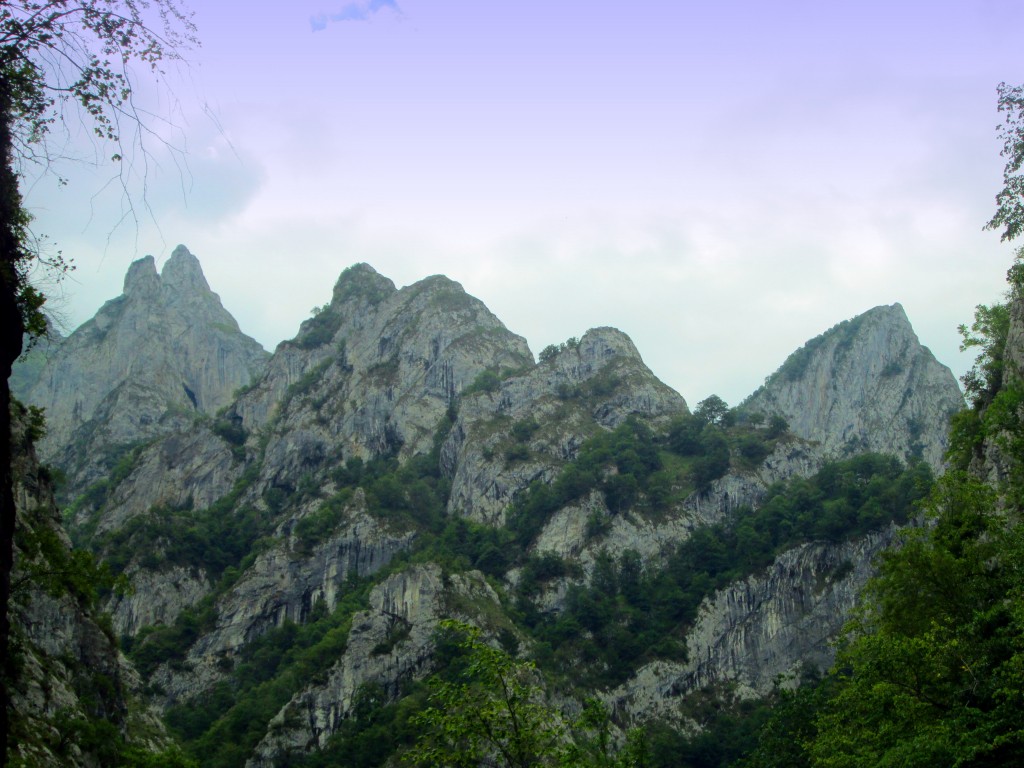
point(182, 272)
point(841, 336)
point(141, 276)
point(361, 281)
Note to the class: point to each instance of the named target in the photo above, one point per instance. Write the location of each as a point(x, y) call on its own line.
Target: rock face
point(426, 377)
point(71, 678)
point(764, 627)
point(285, 583)
point(584, 387)
point(389, 645)
point(147, 364)
point(865, 385)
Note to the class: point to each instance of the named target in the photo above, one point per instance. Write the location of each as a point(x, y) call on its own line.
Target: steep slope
point(513, 431)
point(146, 365)
point(74, 696)
point(865, 385)
point(404, 447)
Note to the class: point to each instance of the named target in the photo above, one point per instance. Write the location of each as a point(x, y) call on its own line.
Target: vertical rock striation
point(865, 385)
point(146, 365)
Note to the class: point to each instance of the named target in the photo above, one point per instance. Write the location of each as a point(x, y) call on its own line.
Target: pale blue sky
point(720, 181)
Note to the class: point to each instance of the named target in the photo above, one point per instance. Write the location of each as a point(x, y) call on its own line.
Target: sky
point(721, 181)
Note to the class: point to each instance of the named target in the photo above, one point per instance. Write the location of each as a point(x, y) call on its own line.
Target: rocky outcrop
point(865, 385)
point(186, 469)
point(285, 583)
point(567, 533)
point(146, 365)
point(71, 680)
point(523, 428)
point(769, 625)
point(389, 645)
point(156, 597)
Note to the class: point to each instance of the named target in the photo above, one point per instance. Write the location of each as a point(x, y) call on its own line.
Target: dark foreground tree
point(59, 59)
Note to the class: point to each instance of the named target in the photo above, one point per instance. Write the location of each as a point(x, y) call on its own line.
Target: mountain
point(75, 697)
point(405, 459)
point(866, 385)
point(144, 366)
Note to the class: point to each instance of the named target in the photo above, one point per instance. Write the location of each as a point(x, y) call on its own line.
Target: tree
point(493, 713)
point(933, 667)
point(57, 57)
point(712, 410)
point(1009, 215)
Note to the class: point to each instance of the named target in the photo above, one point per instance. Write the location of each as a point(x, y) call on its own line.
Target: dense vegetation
point(931, 669)
point(623, 615)
point(627, 615)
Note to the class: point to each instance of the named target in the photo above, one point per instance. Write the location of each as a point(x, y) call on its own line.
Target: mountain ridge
point(406, 442)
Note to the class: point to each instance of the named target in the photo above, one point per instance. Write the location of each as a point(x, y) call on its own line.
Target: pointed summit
point(141, 277)
point(866, 384)
point(182, 272)
point(146, 364)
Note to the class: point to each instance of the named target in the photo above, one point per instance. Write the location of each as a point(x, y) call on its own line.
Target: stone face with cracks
point(383, 371)
point(146, 365)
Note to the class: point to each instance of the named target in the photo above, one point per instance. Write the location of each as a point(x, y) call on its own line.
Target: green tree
point(56, 55)
point(711, 410)
point(1009, 215)
point(932, 672)
point(493, 714)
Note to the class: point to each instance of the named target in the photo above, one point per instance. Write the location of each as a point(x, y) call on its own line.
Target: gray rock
point(390, 644)
point(865, 385)
point(146, 365)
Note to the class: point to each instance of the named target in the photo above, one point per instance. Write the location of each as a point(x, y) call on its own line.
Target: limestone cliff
point(74, 697)
point(865, 385)
point(425, 379)
point(146, 365)
point(763, 628)
point(390, 645)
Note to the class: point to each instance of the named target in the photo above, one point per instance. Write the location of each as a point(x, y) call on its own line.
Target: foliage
point(492, 714)
point(711, 410)
point(988, 334)
point(550, 352)
point(486, 381)
point(318, 329)
point(491, 710)
point(47, 562)
point(1009, 215)
point(627, 615)
point(932, 672)
point(728, 728)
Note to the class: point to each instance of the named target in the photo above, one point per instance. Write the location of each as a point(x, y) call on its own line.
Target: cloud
point(352, 12)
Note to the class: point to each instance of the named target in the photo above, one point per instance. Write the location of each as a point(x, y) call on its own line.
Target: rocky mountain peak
point(182, 272)
point(361, 281)
point(141, 278)
point(866, 384)
point(145, 365)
